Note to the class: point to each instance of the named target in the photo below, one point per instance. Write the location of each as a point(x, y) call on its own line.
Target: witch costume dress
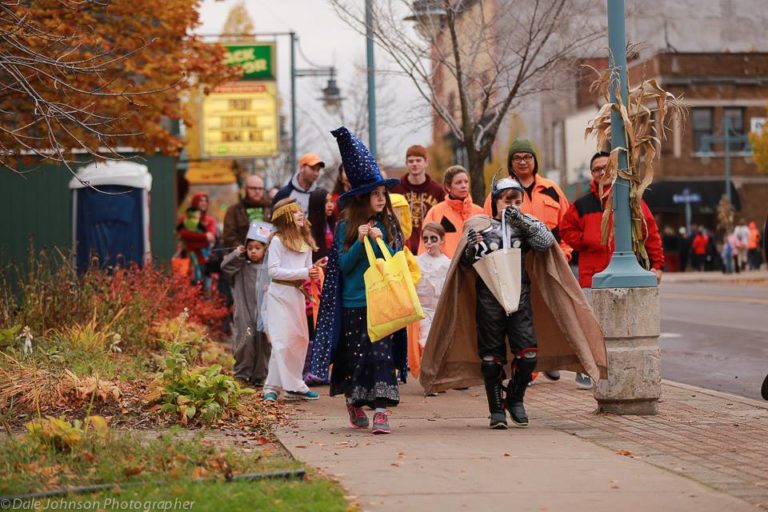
point(365, 372)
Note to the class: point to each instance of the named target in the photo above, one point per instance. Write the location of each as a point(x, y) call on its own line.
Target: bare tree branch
point(481, 60)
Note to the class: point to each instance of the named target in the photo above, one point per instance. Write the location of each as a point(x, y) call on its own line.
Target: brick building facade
point(714, 86)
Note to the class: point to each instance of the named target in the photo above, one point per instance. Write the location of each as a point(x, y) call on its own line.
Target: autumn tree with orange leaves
point(93, 75)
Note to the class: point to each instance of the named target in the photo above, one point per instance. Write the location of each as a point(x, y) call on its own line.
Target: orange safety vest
point(547, 203)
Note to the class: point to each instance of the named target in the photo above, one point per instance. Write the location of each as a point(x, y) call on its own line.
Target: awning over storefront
point(670, 196)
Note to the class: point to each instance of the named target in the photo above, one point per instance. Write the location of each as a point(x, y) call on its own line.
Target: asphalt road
point(715, 335)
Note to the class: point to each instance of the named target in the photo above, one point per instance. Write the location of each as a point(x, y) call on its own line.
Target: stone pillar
point(630, 320)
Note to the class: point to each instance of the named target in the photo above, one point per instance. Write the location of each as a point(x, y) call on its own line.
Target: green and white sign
point(256, 59)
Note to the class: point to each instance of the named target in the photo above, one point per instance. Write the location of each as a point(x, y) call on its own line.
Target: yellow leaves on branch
point(645, 129)
point(759, 142)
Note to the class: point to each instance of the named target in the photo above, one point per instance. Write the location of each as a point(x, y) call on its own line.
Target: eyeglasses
point(519, 159)
point(599, 170)
point(254, 188)
point(430, 239)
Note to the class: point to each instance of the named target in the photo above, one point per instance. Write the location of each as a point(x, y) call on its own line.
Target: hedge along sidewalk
point(441, 454)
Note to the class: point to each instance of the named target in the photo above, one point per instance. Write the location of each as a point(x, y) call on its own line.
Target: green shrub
point(201, 394)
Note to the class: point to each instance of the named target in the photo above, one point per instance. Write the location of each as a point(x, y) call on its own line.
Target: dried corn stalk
point(725, 216)
point(648, 106)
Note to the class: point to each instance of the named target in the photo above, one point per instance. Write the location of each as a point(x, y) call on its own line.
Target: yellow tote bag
point(389, 292)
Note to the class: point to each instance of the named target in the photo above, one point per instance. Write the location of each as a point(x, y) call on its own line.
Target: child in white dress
point(289, 264)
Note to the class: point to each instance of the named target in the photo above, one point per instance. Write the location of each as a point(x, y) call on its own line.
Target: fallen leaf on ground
point(133, 470)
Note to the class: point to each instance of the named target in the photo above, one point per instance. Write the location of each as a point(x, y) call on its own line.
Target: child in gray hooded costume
point(246, 270)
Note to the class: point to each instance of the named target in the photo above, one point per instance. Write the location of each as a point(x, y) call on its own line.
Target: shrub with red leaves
point(129, 300)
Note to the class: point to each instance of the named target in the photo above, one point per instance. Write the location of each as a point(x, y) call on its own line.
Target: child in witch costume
point(479, 310)
point(365, 372)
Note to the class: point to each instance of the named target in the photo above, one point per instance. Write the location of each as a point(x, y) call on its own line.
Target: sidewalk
point(704, 451)
point(713, 277)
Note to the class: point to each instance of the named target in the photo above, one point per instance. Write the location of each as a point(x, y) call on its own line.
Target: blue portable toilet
point(110, 214)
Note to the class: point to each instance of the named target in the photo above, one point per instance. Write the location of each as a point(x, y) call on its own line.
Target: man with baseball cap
point(303, 182)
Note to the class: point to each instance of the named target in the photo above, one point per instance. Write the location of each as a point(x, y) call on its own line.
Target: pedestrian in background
point(304, 182)
point(699, 249)
point(685, 249)
point(581, 228)
point(419, 189)
point(741, 230)
point(453, 211)
point(253, 206)
point(753, 247)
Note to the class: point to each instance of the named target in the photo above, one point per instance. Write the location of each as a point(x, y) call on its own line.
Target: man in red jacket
point(580, 228)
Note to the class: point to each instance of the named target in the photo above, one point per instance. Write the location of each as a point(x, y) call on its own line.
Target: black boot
point(516, 388)
point(492, 376)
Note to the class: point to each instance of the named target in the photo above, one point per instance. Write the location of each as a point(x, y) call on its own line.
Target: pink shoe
point(357, 417)
point(381, 423)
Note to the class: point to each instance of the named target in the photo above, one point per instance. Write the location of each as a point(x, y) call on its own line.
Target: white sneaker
point(583, 381)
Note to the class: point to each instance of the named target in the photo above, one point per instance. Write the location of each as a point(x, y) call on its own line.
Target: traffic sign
point(686, 197)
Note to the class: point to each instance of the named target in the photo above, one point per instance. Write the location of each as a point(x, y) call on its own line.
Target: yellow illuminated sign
point(240, 120)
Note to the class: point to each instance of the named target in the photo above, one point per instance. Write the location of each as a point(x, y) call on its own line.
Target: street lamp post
point(623, 271)
point(625, 298)
point(727, 138)
point(331, 94)
point(429, 16)
point(371, 69)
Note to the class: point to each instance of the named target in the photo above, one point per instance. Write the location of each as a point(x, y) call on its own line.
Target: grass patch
point(29, 465)
point(171, 472)
point(274, 495)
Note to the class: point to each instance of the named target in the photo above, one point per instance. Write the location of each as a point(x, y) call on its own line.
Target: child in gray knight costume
point(494, 324)
point(246, 270)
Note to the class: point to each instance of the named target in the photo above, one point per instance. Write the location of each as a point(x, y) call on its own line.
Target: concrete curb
point(714, 277)
point(716, 394)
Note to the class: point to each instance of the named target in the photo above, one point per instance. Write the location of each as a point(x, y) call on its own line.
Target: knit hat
point(361, 168)
point(416, 150)
point(259, 231)
point(522, 146)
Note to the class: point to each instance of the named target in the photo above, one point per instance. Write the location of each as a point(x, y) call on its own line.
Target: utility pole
point(623, 271)
point(371, 68)
point(625, 297)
